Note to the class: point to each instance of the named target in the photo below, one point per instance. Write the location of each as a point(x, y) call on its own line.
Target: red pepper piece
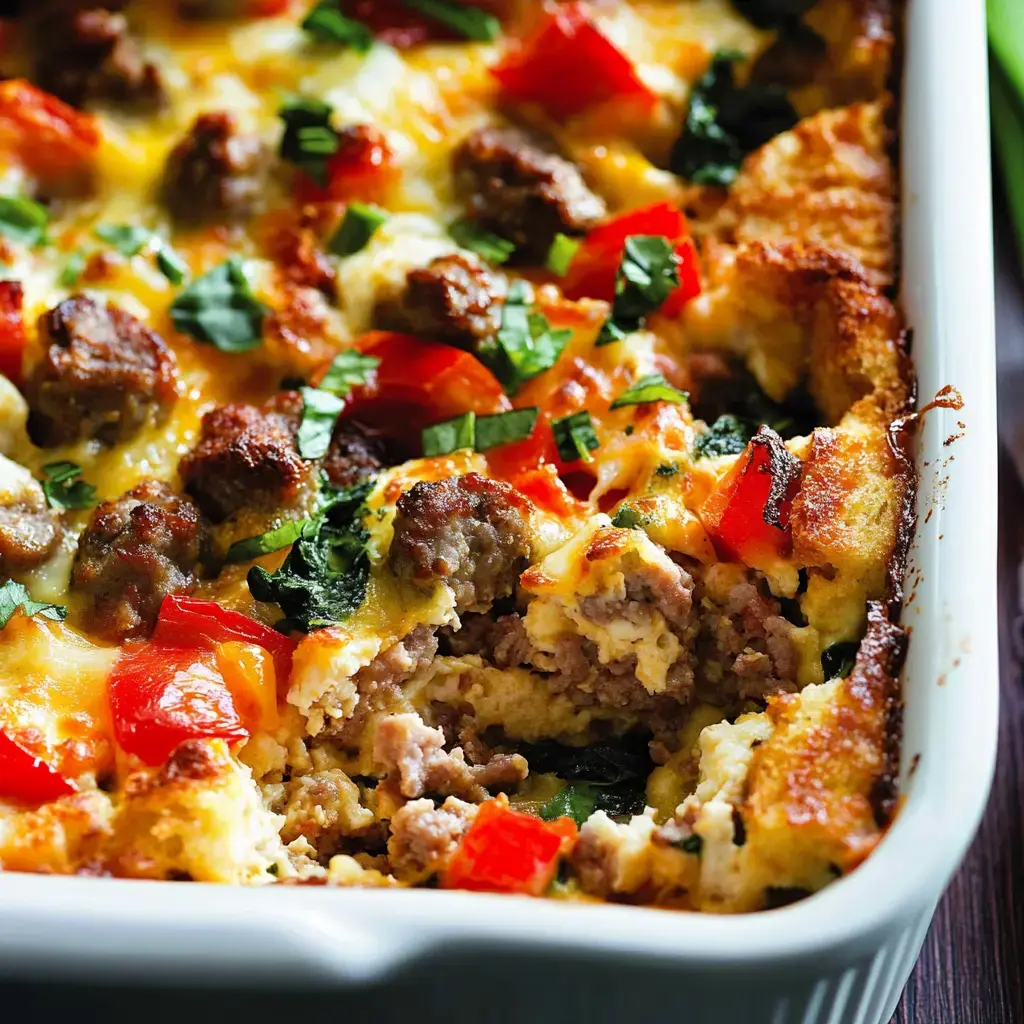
point(509, 851)
point(568, 66)
point(26, 778)
point(12, 331)
point(362, 168)
point(190, 622)
point(161, 696)
point(747, 514)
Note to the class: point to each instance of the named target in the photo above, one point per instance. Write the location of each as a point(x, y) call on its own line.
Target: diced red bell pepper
point(363, 168)
point(747, 515)
point(596, 263)
point(509, 851)
point(421, 382)
point(397, 24)
point(161, 696)
point(12, 331)
point(545, 489)
point(43, 133)
point(190, 622)
point(26, 778)
point(568, 66)
point(268, 8)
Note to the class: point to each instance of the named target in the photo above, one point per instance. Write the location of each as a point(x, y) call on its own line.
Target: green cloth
point(1006, 39)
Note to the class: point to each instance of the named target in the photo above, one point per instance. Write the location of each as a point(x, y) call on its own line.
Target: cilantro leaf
point(575, 437)
point(648, 274)
point(471, 22)
point(171, 265)
point(348, 368)
point(23, 219)
point(220, 309)
point(491, 247)
point(127, 239)
point(725, 122)
point(326, 24)
point(358, 226)
point(728, 435)
point(651, 388)
point(308, 138)
point(14, 596)
point(64, 489)
point(263, 544)
point(320, 412)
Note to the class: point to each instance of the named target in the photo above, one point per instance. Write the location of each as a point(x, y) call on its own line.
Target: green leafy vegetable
point(491, 247)
point(667, 469)
point(652, 388)
point(561, 253)
point(358, 226)
point(471, 22)
point(64, 489)
point(171, 265)
point(347, 369)
point(576, 800)
point(726, 122)
point(127, 239)
point(320, 411)
point(326, 24)
point(14, 596)
point(450, 435)
point(728, 435)
point(323, 579)
point(504, 427)
point(524, 345)
point(23, 219)
point(72, 269)
point(220, 309)
point(838, 659)
point(772, 13)
point(648, 274)
point(263, 544)
point(308, 140)
point(691, 844)
point(627, 518)
point(575, 437)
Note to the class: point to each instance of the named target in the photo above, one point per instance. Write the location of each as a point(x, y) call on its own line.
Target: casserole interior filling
point(451, 444)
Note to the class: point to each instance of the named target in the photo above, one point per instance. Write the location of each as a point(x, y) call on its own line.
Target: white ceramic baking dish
point(840, 956)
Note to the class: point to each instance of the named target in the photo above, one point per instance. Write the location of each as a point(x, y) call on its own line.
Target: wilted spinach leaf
point(838, 659)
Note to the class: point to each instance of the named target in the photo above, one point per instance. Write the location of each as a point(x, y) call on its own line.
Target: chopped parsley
point(64, 488)
point(220, 309)
point(725, 122)
point(561, 253)
point(170, 264)
point(326, 24)
point(648, 274)
point(23, 219)
point(73, 268)
point(320, 411)
point(627, 518)
point(127, 239)
point(479, 432)
point(575, 437)
point(308, 140)
point(838, 659)
point(358, 226)
point(651, 388)
point(470, 22)
point(264, 543)
point(348, 368)
point(491, 247)
point(323, 579)
point(728, 435)
point(667, 469)
point(14, 596)
point(524, 345)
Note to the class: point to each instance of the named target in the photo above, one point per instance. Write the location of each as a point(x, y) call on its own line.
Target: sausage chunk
point(523, 192)
point(216, 172)
point(466, 531)
point(454, 299)
point(104, 374)
point(89, 55)
point(246, 458)
point(135, 551)
point(29, 529)
point(357, 452)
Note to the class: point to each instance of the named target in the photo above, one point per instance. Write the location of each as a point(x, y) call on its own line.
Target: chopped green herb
point(263, 544)
point(308, 138)
point(171, 265)
point(23, 219)
point(220, 309)
point(504, 427)
point(772, 13)
point(628, 430)
point(838, 659)
point(575, 437)
point(648, 274)
point(524, 345)
point(356, 229)
point(627, 518)
point(323, 579)
point(667, 469)
point(127, 239)
point(491, 247)
point(728, 435)
point(72, 269)
point(326, 24)
point(347, 369)
point(561, 254)
point(691, 844)
point(471, 22)
point(14, 596)
point(450, 435)
point(651, 388)
point(726, 122)
point(576, 800)
point(64, 489)
point(320, 411)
